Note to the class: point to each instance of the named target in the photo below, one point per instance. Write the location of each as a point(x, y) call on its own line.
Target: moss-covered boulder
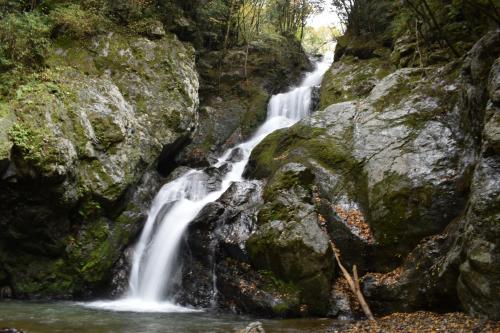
point(289, 240)
point(352, 78)
point(81, 137)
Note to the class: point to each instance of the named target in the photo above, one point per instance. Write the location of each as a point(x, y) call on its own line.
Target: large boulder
point(78, 158)
point(289, 241)
point(261, 259)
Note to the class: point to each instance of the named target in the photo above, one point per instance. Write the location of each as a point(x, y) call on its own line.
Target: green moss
point(73, 21)
point(98, 179)
point(99, 244)
point(288, 293)
point(107, 131)
point(89, 208)
point(72, 53)
point(292, 267)
point(256, 106)
point(99, 263)
point(276, 149)
point(331, 154)
point(35, 276)
point(36, 145)
point(351, 79)
point(397, 216)
point(282, 182)
point(88, 252)
point(273, 212)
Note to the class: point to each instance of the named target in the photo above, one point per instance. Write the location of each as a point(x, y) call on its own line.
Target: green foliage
point(22, 137)
point(227, 23)
point(24, 39)
point(9, 6)
point(319, 40)
point(289, 17)
point(37, 147)
point(361, 17)
point(452, 25)
point(212, 21)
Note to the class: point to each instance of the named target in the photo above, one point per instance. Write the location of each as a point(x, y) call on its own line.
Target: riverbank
point(419, 322)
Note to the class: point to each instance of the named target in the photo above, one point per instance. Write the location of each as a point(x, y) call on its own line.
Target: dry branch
point(353, 284)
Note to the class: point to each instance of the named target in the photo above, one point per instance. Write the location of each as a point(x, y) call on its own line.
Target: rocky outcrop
point(289, 241)
point(109, 109)
point(404, 166)
point(79, 156)
point(384, 160)
point(460, 264)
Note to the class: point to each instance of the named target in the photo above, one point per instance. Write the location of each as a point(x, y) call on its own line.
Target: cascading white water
point(180, 201)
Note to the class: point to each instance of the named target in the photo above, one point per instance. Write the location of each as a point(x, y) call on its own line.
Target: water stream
point(180, 201)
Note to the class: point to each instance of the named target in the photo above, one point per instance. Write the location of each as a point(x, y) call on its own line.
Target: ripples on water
point(68, 317)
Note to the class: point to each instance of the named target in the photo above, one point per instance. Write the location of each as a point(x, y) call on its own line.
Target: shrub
point(73, 21)
point(24, 38)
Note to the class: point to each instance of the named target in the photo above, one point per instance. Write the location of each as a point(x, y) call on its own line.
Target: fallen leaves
point(355, 220)
point(419, 322)
point(388, 278)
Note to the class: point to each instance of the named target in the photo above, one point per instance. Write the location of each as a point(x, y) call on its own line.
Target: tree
point(290, 16)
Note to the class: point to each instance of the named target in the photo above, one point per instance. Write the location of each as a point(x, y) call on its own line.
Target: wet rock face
point(241, 257)
point(84, 141)
point(219, 233)
point(479, 279)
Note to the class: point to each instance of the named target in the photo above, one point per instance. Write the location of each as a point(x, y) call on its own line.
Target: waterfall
point(180, 201)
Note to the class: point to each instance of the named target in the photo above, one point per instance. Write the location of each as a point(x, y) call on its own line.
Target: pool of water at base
point(66, 317)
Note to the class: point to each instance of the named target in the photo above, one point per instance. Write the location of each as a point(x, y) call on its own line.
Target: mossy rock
point(289, 301)
point(80, 133)
point(289, 241)
point(281, 248)
point(351, 79)
point(37, 277)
